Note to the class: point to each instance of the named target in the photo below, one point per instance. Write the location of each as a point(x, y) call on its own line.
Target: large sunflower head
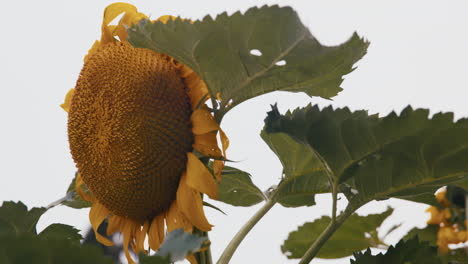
point(137, 125)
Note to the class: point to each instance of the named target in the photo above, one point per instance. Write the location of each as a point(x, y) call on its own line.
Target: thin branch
point(326, 234)
point(242, 233)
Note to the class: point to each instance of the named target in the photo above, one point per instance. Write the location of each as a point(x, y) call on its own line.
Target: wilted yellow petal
point(67, 103)
point(224, 141)
point(175, 219)
point(156, 232)
point(97, 214)
point(140, 236)
point(191, 205)
point(128, 233)
point(192, 259)
point(200, 178)
point(203, 122)
point(207, 144)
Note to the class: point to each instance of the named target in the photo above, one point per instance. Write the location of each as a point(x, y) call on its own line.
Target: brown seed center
point(129, 129)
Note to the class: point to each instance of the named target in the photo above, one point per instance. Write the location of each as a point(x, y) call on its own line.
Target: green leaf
point(395, 156)
point(220, 51)
point(304, 175)
point(16, 217)
point(178, 244)
point(154, 259)
point(236, 188)
point(428, 234)
point(73, 199)
point(357, 233)
point(33, 249)
point(60, 232)
point(410, 251)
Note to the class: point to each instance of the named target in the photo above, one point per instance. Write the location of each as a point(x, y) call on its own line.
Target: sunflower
point(137, 126)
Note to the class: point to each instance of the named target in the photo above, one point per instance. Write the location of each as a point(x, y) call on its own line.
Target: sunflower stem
point(327, 233)
point(242, 233)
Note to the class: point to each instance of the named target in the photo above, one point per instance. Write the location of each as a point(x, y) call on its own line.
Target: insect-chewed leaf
point(16, 218)
point(236, 188)
point(410, 251)
point(400, 156)
point(357, 233)
point(245, 55)
point(304, 175)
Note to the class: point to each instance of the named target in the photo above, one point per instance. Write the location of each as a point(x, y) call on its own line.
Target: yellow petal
point(199, 177)
point(224, 141)
point(175, 219)
point(110, 13)
point(97, 214)
point(192, 259)
point(197, 89)
point(127, 20)
point(128, 234)
point(166, 18)
point(67, 103)
point(114, 224)
point(190, 204)
point(207, 144)
point(203, 122)
point(140, 236)
point(156, 232)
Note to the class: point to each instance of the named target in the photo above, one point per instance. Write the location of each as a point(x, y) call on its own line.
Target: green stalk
point(242, 233)
point(326, 234)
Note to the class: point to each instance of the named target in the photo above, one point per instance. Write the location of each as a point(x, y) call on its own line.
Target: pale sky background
point(418, 55)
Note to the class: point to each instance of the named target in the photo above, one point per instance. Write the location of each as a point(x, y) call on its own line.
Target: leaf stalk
point(242, 233)
point(326, 234)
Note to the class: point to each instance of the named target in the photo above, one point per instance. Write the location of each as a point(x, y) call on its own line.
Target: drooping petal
point(175, 219)
point(199, 177)
point(67, 102)
point(192, 259)
point(97, 214)
point(207, 144)
point(224, 141)
point(203, 122)
point(114, 224)
point(128, 235)
point(191, 205)
point(156, 232)
point(140, 236)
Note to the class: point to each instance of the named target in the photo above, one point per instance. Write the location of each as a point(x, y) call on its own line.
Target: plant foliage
point(220, 51)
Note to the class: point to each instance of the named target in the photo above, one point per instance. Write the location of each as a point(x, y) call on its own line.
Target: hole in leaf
point(281, 63)
point(256, 52)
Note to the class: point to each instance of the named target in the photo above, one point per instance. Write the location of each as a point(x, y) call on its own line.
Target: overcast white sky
point(418, 55)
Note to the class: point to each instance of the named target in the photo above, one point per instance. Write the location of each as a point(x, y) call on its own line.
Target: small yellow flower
point(134, 119)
